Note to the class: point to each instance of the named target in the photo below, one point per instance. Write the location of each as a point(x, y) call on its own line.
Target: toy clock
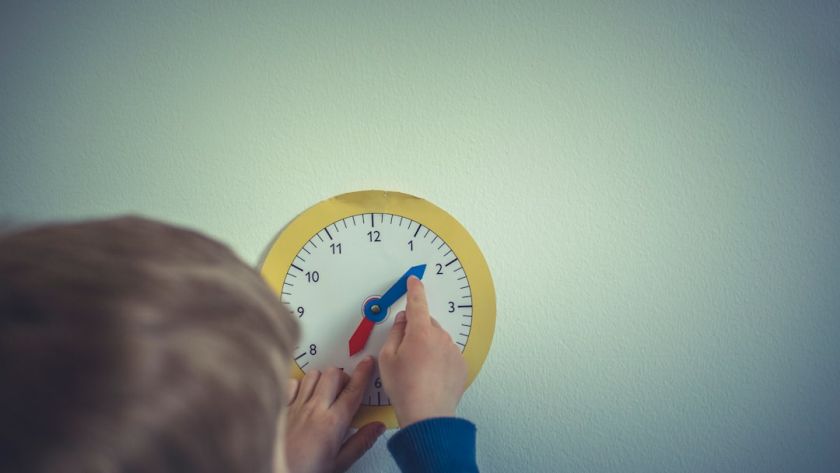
point(341, 268)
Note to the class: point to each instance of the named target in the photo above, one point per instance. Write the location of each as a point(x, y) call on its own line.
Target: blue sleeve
point(443, 444)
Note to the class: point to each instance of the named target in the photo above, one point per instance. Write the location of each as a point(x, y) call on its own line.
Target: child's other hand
point(321, 407)
point(423, 372)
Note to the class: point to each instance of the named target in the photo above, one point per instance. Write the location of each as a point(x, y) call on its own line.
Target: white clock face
point(358, 258)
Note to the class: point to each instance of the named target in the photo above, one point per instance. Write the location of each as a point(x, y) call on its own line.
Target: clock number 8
point(313, 350)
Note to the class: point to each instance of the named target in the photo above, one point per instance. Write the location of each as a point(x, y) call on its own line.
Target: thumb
point(396, 335)
point(356, 446)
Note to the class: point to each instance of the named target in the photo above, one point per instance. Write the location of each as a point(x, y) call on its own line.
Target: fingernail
point(380, 429)
point(400, 316)
point(367, 360)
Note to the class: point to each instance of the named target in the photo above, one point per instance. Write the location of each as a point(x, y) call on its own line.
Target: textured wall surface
point(656, 188)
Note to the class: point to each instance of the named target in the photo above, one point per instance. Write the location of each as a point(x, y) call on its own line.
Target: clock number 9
point(312, 276)
point(300, 312)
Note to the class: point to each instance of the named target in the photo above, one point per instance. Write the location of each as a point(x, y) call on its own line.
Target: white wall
point(655, 188)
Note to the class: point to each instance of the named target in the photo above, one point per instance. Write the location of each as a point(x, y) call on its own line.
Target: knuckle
point(352, 389)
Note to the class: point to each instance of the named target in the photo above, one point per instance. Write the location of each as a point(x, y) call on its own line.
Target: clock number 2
point(439, 268)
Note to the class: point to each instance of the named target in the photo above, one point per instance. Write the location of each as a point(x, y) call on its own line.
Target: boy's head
point(129, 345)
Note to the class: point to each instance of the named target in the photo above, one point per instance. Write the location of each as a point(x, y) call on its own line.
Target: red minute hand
point(360, 336)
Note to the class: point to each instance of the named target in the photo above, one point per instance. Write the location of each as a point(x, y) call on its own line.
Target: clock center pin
point(372, 310)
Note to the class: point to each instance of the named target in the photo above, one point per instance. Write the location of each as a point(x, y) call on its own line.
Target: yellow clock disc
point(338, 267)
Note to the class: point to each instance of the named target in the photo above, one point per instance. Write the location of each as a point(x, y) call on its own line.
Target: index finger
point(416, 307)
point(350, 397)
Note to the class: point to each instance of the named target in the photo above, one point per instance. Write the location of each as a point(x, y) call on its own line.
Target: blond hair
point(129, 345)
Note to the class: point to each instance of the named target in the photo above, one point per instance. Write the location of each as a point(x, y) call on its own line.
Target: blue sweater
point(440, 445)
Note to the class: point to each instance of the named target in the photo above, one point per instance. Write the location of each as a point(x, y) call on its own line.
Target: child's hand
point(319, 415)
point(422, 370)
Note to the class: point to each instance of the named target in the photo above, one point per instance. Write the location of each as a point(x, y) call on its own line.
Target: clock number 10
point(312, 276)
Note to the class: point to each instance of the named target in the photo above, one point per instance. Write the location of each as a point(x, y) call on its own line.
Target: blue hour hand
point(397, 290)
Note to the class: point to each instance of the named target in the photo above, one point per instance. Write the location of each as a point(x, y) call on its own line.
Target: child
point(133, 346)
